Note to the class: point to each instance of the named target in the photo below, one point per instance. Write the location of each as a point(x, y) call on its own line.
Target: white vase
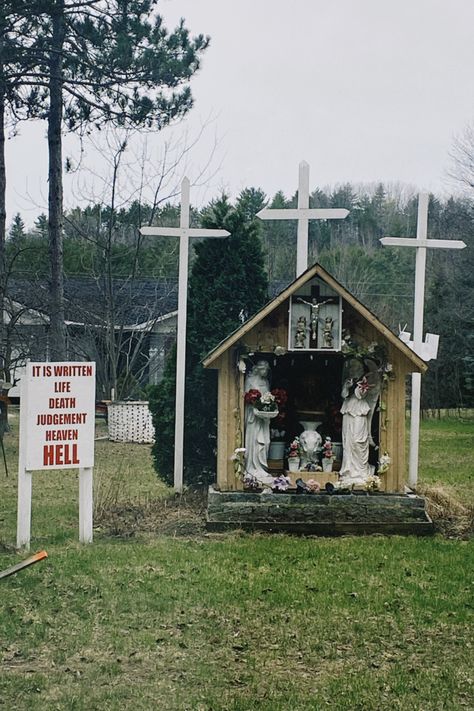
point(327, 464)
point(293, 464)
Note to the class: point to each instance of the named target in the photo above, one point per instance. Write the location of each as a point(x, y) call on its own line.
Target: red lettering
point(59, 451)
point(48, 455)
point(60, 455)
point(75, 458)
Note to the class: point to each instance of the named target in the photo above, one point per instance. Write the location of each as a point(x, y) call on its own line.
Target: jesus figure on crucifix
point(314, 306)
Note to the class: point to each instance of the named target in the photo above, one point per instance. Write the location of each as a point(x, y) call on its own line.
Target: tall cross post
point(183, 232)
point(303, 213)
point(421, 244)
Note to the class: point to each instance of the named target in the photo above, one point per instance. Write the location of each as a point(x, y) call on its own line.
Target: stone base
point(319, 514)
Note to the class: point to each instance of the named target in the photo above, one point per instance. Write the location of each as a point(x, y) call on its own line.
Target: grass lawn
point(162, 620)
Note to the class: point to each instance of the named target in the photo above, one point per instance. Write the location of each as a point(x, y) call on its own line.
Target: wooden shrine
point(307, 335)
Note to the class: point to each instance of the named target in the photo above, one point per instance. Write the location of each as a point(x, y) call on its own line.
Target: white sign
point(59, 418)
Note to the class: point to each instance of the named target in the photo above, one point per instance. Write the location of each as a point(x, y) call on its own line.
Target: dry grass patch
point(451, 517)
point(173, 515)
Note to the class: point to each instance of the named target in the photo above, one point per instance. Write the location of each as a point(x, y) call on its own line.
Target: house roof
point(316, 270)
point(136, 301)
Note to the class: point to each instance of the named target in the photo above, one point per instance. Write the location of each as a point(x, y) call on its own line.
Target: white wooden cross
point(421, 243)
point(303, 213)
point(184, 232)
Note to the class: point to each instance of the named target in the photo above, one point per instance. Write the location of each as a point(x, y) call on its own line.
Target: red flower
point(281, 396)
point(252, 396)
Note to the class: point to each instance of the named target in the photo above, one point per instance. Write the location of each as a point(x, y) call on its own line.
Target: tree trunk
point(3, 216)
point(55, 194)
point(4, 366)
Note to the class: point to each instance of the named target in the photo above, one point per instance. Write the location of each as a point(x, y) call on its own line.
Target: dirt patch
point(451, 518)
point(174, 515)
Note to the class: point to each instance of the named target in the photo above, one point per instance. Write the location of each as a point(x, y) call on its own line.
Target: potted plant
point(277, 444)
point(327, 456)
point(294, 455)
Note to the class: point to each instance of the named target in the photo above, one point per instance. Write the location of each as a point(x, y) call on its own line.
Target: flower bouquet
point(383, 464)
point(327, 455)
point(294, 455)
point(281, 484)
point(264, 406)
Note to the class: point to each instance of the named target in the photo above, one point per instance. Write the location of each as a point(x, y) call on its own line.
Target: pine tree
point(227, 283)
point(95, 62)
point(17, 229)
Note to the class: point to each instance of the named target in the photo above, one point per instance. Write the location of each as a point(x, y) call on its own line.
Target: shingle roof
point(135, 300)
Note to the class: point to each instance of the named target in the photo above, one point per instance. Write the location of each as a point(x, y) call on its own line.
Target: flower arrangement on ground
point(251, 483)
point(281, 483)
point(372, 483)
point(313, 485)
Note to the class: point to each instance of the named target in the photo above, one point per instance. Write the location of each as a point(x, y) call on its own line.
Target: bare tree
point(462, 155)
point(131, 187)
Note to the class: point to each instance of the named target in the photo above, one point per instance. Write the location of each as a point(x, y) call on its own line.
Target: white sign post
point(421, 243)
point(57, 417)
point(303, 213)
point(184, 232)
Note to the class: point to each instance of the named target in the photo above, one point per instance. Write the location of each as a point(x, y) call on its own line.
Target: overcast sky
point(364, 90)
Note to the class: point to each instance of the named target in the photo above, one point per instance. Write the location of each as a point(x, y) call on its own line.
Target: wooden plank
point(401, 434)
point(233, 387)
point(303, 213)
point(222, 416)
point(273, 333)
point(24, 564)
point(415, 242)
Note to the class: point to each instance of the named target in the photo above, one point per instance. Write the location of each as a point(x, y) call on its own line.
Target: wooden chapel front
point(310, 366)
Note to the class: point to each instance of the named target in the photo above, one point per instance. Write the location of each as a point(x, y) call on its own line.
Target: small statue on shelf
point(328, 336)
point(300, 335)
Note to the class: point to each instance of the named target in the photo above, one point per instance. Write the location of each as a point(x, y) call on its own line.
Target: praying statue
point(257, 426)
point(357, 409)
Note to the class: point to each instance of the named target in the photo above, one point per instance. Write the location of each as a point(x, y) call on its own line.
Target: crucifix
point(184, 232)
point(303, 213)
point(421, 243)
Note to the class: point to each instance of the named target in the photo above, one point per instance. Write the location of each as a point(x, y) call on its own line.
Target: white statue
point(257, 426)
point(300, 335)
point(328, 336)
point(355, 427)
point(310, 446)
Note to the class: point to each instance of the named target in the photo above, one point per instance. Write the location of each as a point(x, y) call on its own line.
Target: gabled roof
point(316, 270)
